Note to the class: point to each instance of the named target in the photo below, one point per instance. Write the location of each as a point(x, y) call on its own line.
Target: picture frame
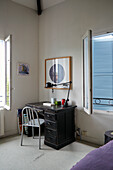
point(58, 71)
point(23, 69)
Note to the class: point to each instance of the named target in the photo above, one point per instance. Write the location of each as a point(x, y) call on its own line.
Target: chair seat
point(35, 123)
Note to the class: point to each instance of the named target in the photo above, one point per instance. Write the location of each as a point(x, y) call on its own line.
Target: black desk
point(59, 124)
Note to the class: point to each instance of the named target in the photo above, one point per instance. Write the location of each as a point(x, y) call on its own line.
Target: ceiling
point(33, 3)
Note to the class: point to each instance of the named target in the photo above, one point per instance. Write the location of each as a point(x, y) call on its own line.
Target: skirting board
point(98, 141)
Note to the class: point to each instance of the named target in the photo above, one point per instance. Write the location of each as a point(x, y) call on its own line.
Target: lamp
point(49, 85)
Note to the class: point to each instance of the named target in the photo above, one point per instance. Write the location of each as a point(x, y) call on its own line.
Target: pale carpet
point(29, 157)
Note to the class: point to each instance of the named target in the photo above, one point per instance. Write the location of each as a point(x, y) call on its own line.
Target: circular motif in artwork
point(57, 73)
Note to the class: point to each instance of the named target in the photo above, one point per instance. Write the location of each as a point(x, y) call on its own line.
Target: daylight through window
point(98, 68)
point(5, 72)
point(103, 72)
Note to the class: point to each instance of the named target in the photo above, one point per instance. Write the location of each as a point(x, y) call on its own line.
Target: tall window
point(103, 72)
point(5, 73)
point(98, 68)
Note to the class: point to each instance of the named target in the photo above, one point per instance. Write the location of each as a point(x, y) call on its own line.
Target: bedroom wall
point(22, 23)
point(60, 34)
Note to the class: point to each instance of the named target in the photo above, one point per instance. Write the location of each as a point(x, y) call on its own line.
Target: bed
point(98, 159)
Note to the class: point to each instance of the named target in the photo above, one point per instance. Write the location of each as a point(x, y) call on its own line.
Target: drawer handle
point(48, 123)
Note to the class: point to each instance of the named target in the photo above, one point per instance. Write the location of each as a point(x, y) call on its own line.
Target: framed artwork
point(57, 71)
point(23, 69)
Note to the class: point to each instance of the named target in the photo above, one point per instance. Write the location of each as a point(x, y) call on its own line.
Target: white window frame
point(88, 110)
point(9, 38)
point(2, 107)
point(5, 106)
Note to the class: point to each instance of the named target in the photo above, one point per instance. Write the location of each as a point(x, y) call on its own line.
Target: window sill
point(87, 111)
point(5, 108)
point(1, 108)
point(103, 112)
point(99, 112)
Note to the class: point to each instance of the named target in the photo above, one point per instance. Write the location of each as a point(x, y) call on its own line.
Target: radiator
point(1, 122)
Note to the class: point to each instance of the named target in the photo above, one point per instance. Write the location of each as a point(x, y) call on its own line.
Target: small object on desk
point(53, 100)
point(48, 104)
point(63, 101)
point(58, 103)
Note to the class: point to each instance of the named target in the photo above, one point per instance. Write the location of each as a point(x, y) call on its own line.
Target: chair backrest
point(29, 115)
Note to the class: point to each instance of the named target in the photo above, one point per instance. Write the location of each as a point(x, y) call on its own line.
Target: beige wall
point(22, 23)
point(60, 33)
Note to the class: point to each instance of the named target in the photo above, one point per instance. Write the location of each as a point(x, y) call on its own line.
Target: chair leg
point(39, 138)
point(33, 132)
point(22, 136)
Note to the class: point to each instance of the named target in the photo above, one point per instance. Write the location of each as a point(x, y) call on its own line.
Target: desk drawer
point(49, 124)
point(50, 116)
point(51, 139)
point(50, 132)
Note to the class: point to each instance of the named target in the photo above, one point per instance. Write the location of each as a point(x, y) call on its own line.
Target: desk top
point(39, 105)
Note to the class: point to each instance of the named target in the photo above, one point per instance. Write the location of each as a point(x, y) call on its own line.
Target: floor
point(29, 157)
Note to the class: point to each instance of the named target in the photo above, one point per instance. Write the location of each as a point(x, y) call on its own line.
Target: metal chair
point(30, 118)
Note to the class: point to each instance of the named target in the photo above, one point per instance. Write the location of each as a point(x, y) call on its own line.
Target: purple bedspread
point(98, 159)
